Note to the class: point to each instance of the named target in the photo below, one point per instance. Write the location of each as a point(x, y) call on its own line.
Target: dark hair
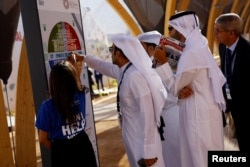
point(64, 84)
point(150, 44)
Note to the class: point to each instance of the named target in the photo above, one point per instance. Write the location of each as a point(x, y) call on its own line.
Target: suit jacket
point(240, 83)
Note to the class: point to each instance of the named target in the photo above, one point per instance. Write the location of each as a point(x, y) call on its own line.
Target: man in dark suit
point(236, 68)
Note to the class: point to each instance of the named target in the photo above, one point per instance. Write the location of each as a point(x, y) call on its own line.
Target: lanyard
point(117, 97)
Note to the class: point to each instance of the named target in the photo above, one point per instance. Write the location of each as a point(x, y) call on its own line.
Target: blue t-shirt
point(50, 120)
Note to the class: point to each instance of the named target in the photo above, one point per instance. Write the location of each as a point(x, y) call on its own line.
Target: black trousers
point(73, 153)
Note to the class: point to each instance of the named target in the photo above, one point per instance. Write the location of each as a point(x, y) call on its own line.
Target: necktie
point(228, 65)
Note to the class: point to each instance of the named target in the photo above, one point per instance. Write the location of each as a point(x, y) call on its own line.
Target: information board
point(62, 33)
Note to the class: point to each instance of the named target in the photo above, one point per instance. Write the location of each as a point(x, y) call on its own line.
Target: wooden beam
point(25, 114)
point(183, 5)
point(237, 6)
point(6, 158)
point(245, 12)
point(245, 16)
point(241, 7)
point(247, 27)
point(132, 25)
point(215, 10)
point(170, 10)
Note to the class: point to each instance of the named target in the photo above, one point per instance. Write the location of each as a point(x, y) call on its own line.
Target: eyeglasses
point(111, 48)
point(170, 28)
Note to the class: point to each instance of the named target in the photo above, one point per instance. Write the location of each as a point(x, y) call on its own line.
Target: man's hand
point(147, 162)
point(75, 58)
point(77, 62)
point(185, 92)
point(160, 54)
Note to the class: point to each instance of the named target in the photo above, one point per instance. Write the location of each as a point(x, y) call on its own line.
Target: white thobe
point(201, 127)
point(139, 131)
point(170, 114)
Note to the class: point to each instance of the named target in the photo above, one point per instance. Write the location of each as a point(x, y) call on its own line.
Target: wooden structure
point(23, 153)
point(217, 7)
point(25, 114)
point(132, 25)
point(6, 158)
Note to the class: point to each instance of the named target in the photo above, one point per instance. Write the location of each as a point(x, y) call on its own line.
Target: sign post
point(53, 29)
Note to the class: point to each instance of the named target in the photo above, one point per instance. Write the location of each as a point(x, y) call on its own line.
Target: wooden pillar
point(25, 115)
point(170, 10)
point(6, 158)
point(216, 9)
point(247, 27)
point(237, 6)
point(183, 5)
point(245, 16)
point(132, 25)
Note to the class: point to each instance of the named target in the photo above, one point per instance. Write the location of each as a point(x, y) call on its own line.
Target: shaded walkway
point(110, 145)
point(109, 140)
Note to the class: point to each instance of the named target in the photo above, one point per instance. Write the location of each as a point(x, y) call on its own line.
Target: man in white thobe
point(170, 113)
point(142, 96)
point(201, 127)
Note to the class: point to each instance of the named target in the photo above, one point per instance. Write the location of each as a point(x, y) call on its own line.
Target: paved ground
point(105, 108)
point(110, 146)
point(111, 150)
